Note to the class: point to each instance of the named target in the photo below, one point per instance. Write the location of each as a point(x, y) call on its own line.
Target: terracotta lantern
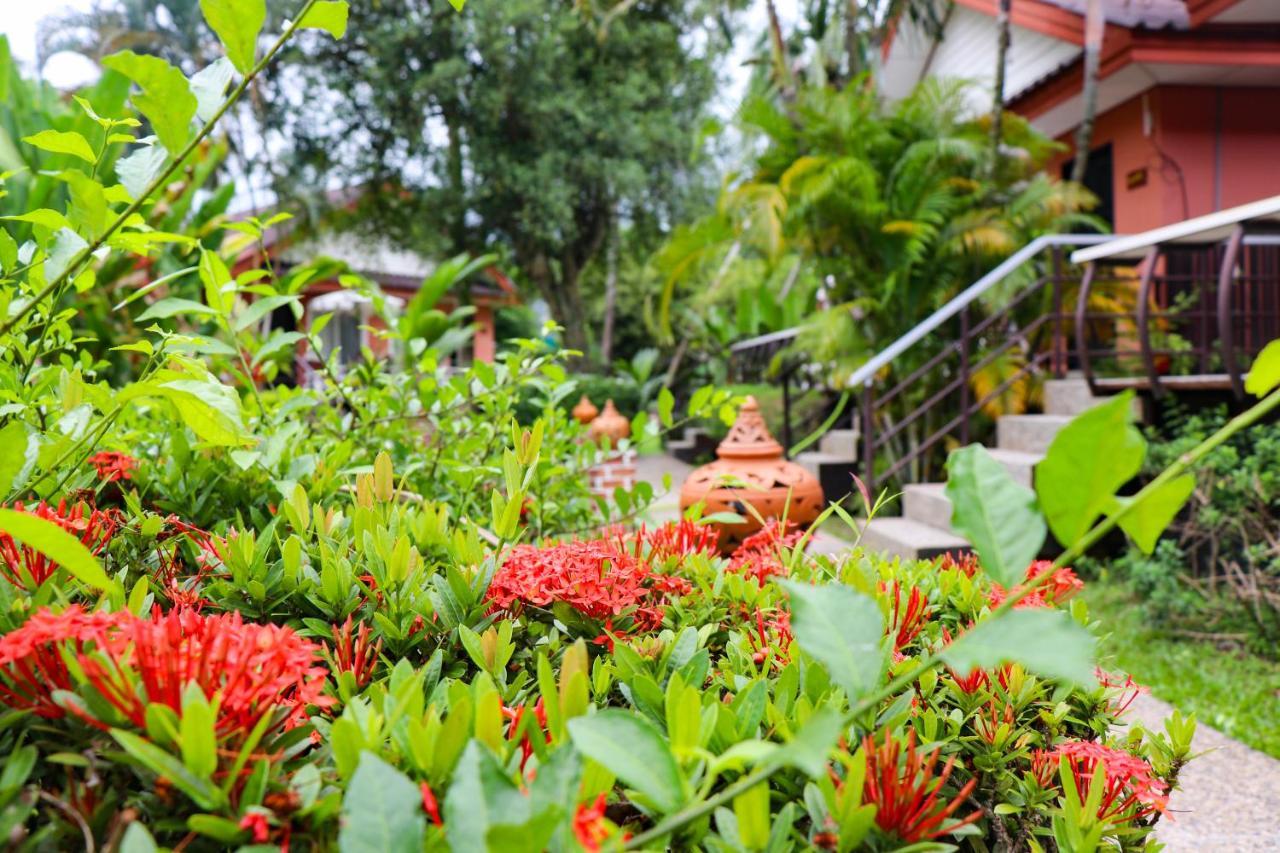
point(609, 423)
point(751, 471)
point(585, 411)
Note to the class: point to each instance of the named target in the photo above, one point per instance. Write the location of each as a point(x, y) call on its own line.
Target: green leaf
point(631, 748)
point(997, 515)
point(1264, 373)
point(166, 99)
point(139, 169)
point(260, 308)
point(809, 749)
point(666, 406)
point(198, 740)
point(8, 251)
point(67, 244)
point(215, 277)
point(210, 409)
point(381, 810)
point(172, 305)
point(842, 629)
point(484, 806)
point(327, 15)
point(1089, 459)
point(62, 142)
point(56, 544)
point(457, 4)
point(1045, 641)
point(44, 217)
point(155, 759)
point(18, 451)
point(137, 839)
point(1150, 516)
point(237, 23)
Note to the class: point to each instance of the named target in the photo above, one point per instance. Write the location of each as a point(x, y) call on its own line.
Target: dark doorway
point(1099, 179)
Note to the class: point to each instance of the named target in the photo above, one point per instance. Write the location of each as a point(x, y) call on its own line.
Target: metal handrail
point(966, 297)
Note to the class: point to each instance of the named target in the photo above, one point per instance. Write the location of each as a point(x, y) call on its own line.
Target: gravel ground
point(1230, 796)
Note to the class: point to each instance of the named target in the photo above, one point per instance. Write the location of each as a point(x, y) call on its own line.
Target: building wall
point(1204, 148)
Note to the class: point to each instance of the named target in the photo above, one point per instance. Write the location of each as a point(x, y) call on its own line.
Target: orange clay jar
point(609, 424)
point(751, 472)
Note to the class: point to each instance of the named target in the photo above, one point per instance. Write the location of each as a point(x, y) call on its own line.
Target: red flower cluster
point(1127, 690)
point(112, 466)
point(681, 539)
point(907, 794)
point(32, 666)
point(1061, 586)
point(27, 568)
point(760, 554)
point(515, 716)
point(971, 682)
point(594, 577)
point(589, 825)
point(253, 670)
point(966, 563)
point(1130, 791)
point(907, 617)
point(353, 653)
point(772, 637)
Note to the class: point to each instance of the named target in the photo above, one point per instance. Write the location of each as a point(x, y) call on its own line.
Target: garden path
point(1230, 797)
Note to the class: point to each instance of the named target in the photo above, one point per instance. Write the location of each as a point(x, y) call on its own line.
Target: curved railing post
point(1226, 329)
point(1147, 275)
point(1082, 326)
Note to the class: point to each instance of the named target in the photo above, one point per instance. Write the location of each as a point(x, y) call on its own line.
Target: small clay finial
point(609, 423)
point(749, 437)
point(585, 412)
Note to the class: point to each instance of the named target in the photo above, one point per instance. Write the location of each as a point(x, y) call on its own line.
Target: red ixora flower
point(1127, 690)
point(759, 555)
point(906, 793)
point(253, 671)
point(256, 823)
point(1061, 586)
point(430, 805)
point(353, 653)
point(594, 577)
point(971, 682)
point(113, 466)
point(27, 568)
point(589, 825)
point(966, 563)
point(907, 617)
point(1130, 791)
point(680, 539)
point(514, 716)
point(32, 666)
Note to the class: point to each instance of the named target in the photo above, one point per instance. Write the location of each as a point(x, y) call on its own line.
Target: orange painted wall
point(1209, 148)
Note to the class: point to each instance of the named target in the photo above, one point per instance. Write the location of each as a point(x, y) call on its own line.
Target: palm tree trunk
point(1094, 26)
point(997, 91)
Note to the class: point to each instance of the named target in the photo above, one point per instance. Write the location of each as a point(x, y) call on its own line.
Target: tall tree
point(1094, 27)
point(525, 125)
point(997, 89)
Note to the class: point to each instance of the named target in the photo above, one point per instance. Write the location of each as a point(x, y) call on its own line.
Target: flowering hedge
point(393, 692)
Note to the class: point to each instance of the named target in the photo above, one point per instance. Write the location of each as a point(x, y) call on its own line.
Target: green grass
point(1231, 690)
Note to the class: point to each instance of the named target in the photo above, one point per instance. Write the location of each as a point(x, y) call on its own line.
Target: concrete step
point(1028, 433)
point(909, 539)
point(831, 469)
point(842, 441)
point(928, 504)
point(1071, 396)
point(1018, 463)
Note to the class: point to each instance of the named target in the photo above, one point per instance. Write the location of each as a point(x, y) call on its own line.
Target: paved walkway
point(1230, 797)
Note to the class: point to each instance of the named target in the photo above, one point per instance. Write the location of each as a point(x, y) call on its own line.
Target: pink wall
point(1209, 148)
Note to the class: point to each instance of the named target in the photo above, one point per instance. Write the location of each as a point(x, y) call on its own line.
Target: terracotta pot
point(609, 423)
point(585, 411)
point(751, 456)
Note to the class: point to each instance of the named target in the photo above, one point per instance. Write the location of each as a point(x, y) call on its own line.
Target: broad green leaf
point(277, 342)
point(666, 406)
point(56, 544)
point(88, 208)
point(1045, 641)
point(259, 308)
point(210, 409)
point(1148, 519)
point(381, 810)
point(1264, 373)
point(209, 85)
point(198, 739)
point(485, 809)
point(165, 99)
point(44, 217)
point(327, 15)
point(809, 749)
point(1089, 459)
point(215, 277)
point(62, 142)
point(631, 748)
point(8, 251)
point(67, 244)
point(155, 759)
point(19, 448)
point(139, 169)
point(137, 839)
point(237, 23)
point(842, 629)
point(172, 305)
point(458, 5)
point(996, 514)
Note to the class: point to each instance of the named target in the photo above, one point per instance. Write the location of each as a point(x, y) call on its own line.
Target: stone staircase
point(924, 529)
point(836, 456)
